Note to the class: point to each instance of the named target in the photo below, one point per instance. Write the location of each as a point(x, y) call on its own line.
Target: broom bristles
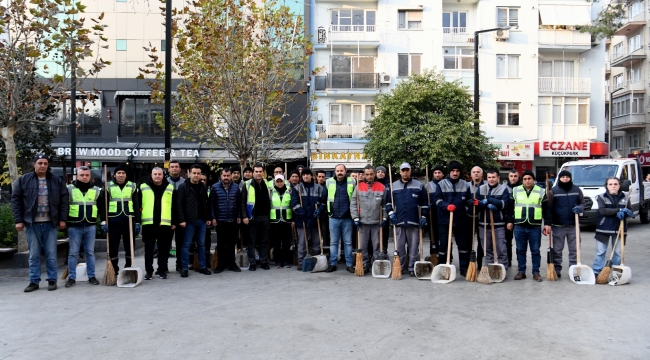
point(196, 264)
point(603, 277)
point(358, 267)
point(551, 275)
point(109, 275)
point(484, 275)
point(397, 269)
point(434, 259)
point(215, 260)
point(471, 272)
point(65, 273)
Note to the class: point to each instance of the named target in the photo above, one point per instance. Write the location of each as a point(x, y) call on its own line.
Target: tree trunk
point(10, 146)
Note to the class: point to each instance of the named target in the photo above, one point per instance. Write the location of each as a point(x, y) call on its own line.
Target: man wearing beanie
point(382, 178)
point(438, 174)
point(248, 173)
point(513, 182)
point(476, 182)
point(450, 197)
point(308, 201)
point(530, 207)
point(566, 200)
point(492, 201)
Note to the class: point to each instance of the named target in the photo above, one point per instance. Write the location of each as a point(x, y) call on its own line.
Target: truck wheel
point(643, 214)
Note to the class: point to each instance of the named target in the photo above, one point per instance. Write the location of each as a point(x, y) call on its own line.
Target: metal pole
point(73, 122)
point(168, 83)
point(476, 83)
point(609, 117)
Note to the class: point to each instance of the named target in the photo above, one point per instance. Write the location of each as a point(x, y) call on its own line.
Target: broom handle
point(550, 205)
point(381, 233)
point(618, 235)
point(485, 233)
point(577, 237)
point(108, 255)
point(319, 233)
point(420, 228)
point(473, 219)
point(622, 232)
point(494, 240)
point(451, 224)
point(430, 212)
point(392, 203)
point(131, 239)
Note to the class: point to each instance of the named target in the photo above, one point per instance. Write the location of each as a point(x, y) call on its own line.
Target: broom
point(484, 275)
point(308, 262)
point(215, 259)
point(603, 276)
point(396, 273)
point(109, 274)
point(471, 270)
point(551, 275)
point(358, 266)
point(433, 256)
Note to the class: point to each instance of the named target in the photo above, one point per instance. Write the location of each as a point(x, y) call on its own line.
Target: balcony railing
point(466, 76)
point(627, 85)
point(140, 130)
point(564, 85)
point(345, 131)
point(347, 81)
point(563, 37)
point(629, 120)
point(347, 33)
point(619, 53)
point(457, 35)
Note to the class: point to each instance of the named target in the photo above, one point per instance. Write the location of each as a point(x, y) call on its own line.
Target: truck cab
point(590, 176)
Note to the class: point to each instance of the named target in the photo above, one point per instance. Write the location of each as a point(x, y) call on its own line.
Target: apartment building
point(540, 87)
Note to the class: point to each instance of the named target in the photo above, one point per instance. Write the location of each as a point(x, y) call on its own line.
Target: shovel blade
point(582, 275)
point(130, 277)
point(620, 275)
point(381, 269)
point(321, 263)
point(423, 270)
point(439, 275)
point(241, 259)
point(497, 272)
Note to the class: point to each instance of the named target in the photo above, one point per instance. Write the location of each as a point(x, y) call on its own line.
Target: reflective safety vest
point(250, 199)
point(528, 208)
point(124, 196)
point(82, 207)
point(331, 190)
point(281, 208)
point(148, 199)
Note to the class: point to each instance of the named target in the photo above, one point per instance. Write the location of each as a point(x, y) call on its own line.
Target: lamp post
point(609, 118)
point(476, 80)
point(168, 83)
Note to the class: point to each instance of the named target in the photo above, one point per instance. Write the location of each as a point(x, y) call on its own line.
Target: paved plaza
point(286, 314)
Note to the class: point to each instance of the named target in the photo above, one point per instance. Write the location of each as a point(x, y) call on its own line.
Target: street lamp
point(476, 82)
point(609, 118)
point(168, 83)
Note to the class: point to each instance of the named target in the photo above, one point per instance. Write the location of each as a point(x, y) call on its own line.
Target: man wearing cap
point(225, 200)
point(39, 202)
point(513, 182)
point(281, 222)
point(339, 194)
point(82, 222)
point(566, 201)
point(492, 202)
point(122, 203)
point(256, 207)
point(451, 196)
point(477, 181)
point(402, 208)
point(438, 174)
point(308, 201)
point(530, 207)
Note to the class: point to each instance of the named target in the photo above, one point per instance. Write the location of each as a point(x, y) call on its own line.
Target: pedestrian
point(492, 200)
point(384, 180)
point(647, 178)
point(339, 195)
point(194, 214)
point(300, 168)
point(476, 181)
point(174, 177)
point(321, 178)
point(566, 201)
point(82, 222)
point(122, 203)
point(434, 239)
point(513, 182)
point(225, 200)
point(367, 213)
point(308, 201)
point(353, 176)
point(402, 208)
point(156, 199)
point(294, 179)
point(281, 217)
point(451, 196)
point(613, 208)
point(39, 202)
point(529, 207)
point(256, 207)
point(248, 173)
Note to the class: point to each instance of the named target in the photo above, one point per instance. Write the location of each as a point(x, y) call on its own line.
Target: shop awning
point(564, 15)
point(131, 94)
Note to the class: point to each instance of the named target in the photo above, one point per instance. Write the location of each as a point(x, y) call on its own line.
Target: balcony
point(140, 130)
point(635, 86)
point(363, 36)
point(629, 121)
point(346, 83)
point(466, 77)
point(562, 85)
point(344, 131)
point(624, 56)
point(635, 19)
point(457, 35)
point(558, 38)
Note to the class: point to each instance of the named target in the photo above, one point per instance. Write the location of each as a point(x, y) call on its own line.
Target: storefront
point(551, 154)
point(644, 162)
point(326, 155)
point(518, 156)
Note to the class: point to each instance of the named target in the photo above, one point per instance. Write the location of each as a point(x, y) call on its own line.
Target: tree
point(608, 20)
point(238, 62)
point(33, 31)
point(426, 120)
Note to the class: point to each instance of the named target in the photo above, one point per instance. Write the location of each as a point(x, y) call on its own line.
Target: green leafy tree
point(238, 61)
point(608, 20)
point(426, 120)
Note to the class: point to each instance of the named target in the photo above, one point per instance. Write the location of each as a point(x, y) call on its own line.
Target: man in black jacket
point(256, 207)
point(39, 202)
point(176, 180)
point(513, 182)
point(194, 214)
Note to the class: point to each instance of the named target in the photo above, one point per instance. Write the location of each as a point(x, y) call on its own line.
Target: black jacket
point(24, 198)
point(188, 202)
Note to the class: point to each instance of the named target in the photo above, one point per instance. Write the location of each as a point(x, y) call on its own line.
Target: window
point(163, 45)
point(409, 19)
point(507, 66)
point(624, 105)
point(138, 116)
point(88, 116)
point(618, 143)
point(563, 110)
point(353, 20)
point(454, 22)
point(458, 58)
point(636, 9)
point(508, 114)
point(120, 45)
point(408, 64)
point(634, 75)
point(351, 114)
point(507, 16)
point(618, 81)
point(634, 140)
point(352, 72)
point(634, 43)
point(617, 52)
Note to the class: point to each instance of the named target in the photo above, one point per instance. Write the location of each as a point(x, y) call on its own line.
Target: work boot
point(51, 285)
point(463, 273)
point(265, 266)
point(537, 277)
point(366, 269)
point(520, 276)
point(330, 268)
point(148, 275)
point(93, 281)
point(162, 274)
point(70, 283)
point(205, 271)
point(299, 268)
point(184, 274)
point(412, 273)
point(350, 269)
point(251, 267)
point(558, 274)
point(31, 287)
point(218, 270)
point(234, 268)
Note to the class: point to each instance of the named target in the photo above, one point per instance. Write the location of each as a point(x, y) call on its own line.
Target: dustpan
point(620, 274)
point(381, 267)
point(579, 273)
point(321, 260)
point(497, 271)
point(241, 257)
point(445, 273)
point(81, 272)
point(423, 269)
point(132, 276)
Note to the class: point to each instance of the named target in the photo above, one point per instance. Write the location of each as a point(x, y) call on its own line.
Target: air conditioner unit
point(502, 35)
point(384, 78)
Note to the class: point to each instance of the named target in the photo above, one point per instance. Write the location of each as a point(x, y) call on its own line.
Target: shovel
point(620, 274)
point(381, 267)
point(497, 271)
point(321, 260)
point(241, 258)
point(445, 273)
point(581, 274)
point(132, 276)
point(423, 269)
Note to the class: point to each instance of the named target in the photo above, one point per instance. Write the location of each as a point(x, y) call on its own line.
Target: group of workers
point(300, 212)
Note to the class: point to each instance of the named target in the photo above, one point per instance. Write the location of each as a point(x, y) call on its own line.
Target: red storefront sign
point(570, 148)
point(644, 159)
point(518, 165)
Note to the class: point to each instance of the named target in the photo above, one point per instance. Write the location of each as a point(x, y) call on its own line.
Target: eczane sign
point(564, 148)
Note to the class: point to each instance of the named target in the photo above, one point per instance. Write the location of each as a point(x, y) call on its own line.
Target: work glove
point(620, 215)
point(136, 232)
point(317, 213)
point(451, 207)
point(484, 202)
point(423, 222)
point(491, 207)
point(475, 202)
point(576, 209)
point(105, 229)
point(629, 213)
point(357, 223)
point(383, 223)
point(300, 212)
point(393, 218)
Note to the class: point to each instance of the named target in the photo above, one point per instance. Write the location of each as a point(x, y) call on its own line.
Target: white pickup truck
point(590, 176)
